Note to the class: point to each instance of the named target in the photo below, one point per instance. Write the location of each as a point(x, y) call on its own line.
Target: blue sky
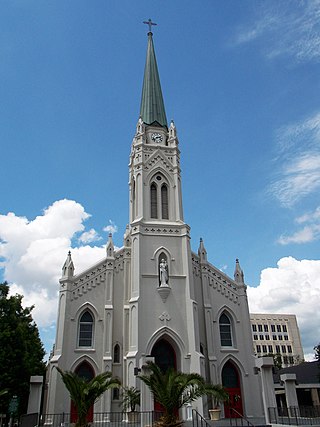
point(241, 81)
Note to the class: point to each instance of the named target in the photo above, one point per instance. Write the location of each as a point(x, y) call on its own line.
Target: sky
point(240, 79)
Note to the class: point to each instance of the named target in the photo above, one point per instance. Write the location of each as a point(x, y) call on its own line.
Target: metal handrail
point(249, 424)
point(198, 420)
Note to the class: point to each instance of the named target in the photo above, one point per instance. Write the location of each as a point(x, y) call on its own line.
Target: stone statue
point(163, 273)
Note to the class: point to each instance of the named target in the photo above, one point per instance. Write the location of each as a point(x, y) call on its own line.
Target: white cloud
point(298, 161)
point(308, 233)
point(32, 254)
point(309, 217)
point(89, 236)
point(285, 29)
point(111, 228)
point(293, 287)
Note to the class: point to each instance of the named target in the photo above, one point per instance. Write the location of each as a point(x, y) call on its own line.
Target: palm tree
point(172, 390)
point(130, 398)
point(218, 393)
point(84, 393)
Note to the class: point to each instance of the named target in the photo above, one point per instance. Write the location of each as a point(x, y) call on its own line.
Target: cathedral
point(154, 298)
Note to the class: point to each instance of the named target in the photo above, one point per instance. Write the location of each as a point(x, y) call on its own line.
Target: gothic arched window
point(86, 329)
point(116, 354)
point(154, 201)
point(225, 331)
point(164, 202)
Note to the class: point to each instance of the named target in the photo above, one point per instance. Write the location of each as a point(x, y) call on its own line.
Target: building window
point(261, 337)
point(115, 393)
point(255, 337)
point(278, 328)
point(289, 349)
point(283, 348)
point(270, 348)
point(260, 328)
point(273, 328)
point(291, 360)
point(254, 328)
point(116, 354)
point(264, 349)
point(284, 328)
point(285, 337)
point(201, 349)
point(265, 327)
point(164, 202)
point(258, 348)
point(274, 337)
point(285, 360)
point(280, 337)
point(278, 349)
point(225, 331)
point(86, 329)
point(267, 337)
point(154, 200)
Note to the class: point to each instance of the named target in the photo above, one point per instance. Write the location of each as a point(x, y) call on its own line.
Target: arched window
point(115, 393)
point(164, 202)
point(116, 354)
point(225, 331)
point(86, 330)
point(133, 198)
point(153, 201)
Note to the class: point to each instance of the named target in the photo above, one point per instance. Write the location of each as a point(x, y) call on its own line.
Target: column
point(34, 401)
point(289, 381)
point(265, 365)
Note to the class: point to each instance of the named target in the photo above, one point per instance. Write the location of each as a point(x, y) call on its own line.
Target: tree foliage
point(84, 393)
point(317, 352)
point(21, 350)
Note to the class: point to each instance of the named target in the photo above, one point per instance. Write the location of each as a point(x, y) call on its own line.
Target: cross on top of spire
point(150, 23)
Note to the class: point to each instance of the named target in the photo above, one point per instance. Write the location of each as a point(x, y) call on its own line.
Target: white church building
point(154, 297)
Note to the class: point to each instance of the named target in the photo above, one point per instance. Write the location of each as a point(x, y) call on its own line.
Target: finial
point(69, 253)
point(110, 234)
point(150, 23)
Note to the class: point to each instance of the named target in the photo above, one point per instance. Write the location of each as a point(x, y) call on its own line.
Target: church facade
point(154, 297)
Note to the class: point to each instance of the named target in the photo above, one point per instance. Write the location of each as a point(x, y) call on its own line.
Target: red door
point(84, 370)
point(233, 408)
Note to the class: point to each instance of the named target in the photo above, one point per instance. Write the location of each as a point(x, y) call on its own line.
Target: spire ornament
point(150, 23)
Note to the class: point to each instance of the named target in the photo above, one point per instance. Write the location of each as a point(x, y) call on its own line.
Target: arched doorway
point(231, 381)
point(84, 370)
point(165, 357)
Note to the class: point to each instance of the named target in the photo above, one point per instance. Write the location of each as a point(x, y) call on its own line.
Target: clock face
point(156, 137)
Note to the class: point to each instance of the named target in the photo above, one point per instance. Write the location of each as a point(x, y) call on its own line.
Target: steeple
point(202, 251)
point(68, 267)
point(238, 274)
point(110, 247)
point(152, 105)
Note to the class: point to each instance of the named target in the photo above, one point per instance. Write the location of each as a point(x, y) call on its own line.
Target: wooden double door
point(233, 408)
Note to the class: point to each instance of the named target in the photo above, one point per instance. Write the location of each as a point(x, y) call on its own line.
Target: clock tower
point(162, 289)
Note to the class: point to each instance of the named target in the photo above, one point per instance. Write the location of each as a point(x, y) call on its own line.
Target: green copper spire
point(152, 105)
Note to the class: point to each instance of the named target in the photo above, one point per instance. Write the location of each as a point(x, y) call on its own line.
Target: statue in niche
point(163, 273)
